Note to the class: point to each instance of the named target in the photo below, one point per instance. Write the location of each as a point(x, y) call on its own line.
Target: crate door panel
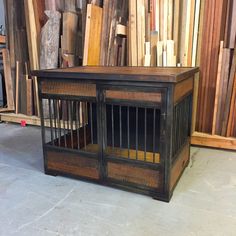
point(70, 130)
point(132, 135)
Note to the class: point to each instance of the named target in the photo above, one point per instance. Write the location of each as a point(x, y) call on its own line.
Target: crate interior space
point(131, 132)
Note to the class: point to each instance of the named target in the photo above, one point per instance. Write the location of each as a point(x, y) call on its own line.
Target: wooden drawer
point(74, 164)
point(68, 88)
point(134, 175)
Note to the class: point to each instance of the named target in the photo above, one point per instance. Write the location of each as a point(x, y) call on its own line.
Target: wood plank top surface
point(143, 74)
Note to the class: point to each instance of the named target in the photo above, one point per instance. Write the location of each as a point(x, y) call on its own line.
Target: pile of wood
point(217, 87)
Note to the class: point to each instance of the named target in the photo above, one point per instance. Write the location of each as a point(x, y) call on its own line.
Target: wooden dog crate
point(124, 127)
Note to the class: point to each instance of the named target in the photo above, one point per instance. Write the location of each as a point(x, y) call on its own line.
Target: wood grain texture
point(179, 166)
point(216, 141)
point(72, 164)
point(133, 96)
point(183, 88)
point(136, 175)
point(73, 89)
point(218, 88)
point(8, 78)
point(93, 31)
point(156, 74)
point(229, 93)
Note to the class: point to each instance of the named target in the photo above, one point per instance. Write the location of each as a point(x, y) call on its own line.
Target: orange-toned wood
point(2, 39)
point(182, 88)
point(179, 166)
point(134, 96)
point(207, 140)
point(73, 89)
point(136, 175)
point(72, 164)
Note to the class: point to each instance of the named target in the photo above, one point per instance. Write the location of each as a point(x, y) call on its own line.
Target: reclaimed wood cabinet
point(126, 127)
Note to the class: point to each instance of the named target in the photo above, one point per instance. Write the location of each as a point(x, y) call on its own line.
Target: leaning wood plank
point(229, 94)
point(232, 110)
point(32, 34)
point(176, 26)
point(225, 79)
point(133, 32)
point(154, 40)
point(207, 140)
point(195, 32)
point(8, 79)
point(17, 87)
point(190, 32)
point(170, 20)
point(217, 93)
point(140, 31)
point(50, 41)
point(160, 53)
point(93, 31)
point(69, 32)
point(171, 58)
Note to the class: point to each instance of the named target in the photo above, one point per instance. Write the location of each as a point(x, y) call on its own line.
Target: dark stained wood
point(179, 165)
point(133, 174)
point(136, 148)
point(182, 88)
point(155, 74)
point(72, 164)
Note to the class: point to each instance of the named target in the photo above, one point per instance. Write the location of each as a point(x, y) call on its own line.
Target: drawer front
point(74, 164)
point(134, 96)
point(68, 88)
point(126, 174)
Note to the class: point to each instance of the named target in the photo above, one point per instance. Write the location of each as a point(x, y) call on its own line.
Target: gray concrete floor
point(31, 203)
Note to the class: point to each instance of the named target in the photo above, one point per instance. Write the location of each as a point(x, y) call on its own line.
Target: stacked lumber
point(171, 29)
point(66, 33)
point(217, 85)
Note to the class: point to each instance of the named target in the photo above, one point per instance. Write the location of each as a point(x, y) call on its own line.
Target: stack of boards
point(217, 87)
point(46, 34)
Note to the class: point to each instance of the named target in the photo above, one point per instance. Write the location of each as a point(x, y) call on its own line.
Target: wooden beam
point(8, 79)
point(215, 141)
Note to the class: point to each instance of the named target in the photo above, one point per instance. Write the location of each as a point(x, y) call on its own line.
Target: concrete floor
point(31, 203)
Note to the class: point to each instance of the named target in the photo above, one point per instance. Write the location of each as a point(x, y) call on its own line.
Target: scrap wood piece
point(50, 41)
point(8, 79)
point(217, 92)
point(232, 113)
point(92, 35)
point(229, 94)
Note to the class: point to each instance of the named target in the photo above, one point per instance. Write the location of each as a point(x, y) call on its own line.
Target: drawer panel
point(135, 175)
point(134, 96)
point(68, 88)
point(70, 163)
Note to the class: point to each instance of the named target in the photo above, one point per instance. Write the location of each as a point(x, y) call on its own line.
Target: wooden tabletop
point(145, 74)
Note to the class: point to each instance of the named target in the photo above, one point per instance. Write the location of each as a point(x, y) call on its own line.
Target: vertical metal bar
point(50, 120)
point(145, 133)
point(112, 124)
point(77, 123)
point(55, 120)
point(91, 121)
point(71, 124)
point(64, 122)
point(128, 141)
point(154, 135)
point(68, 121)
point(59, 122)
point(120, 126)
point(136, 133)
point(84, 123)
